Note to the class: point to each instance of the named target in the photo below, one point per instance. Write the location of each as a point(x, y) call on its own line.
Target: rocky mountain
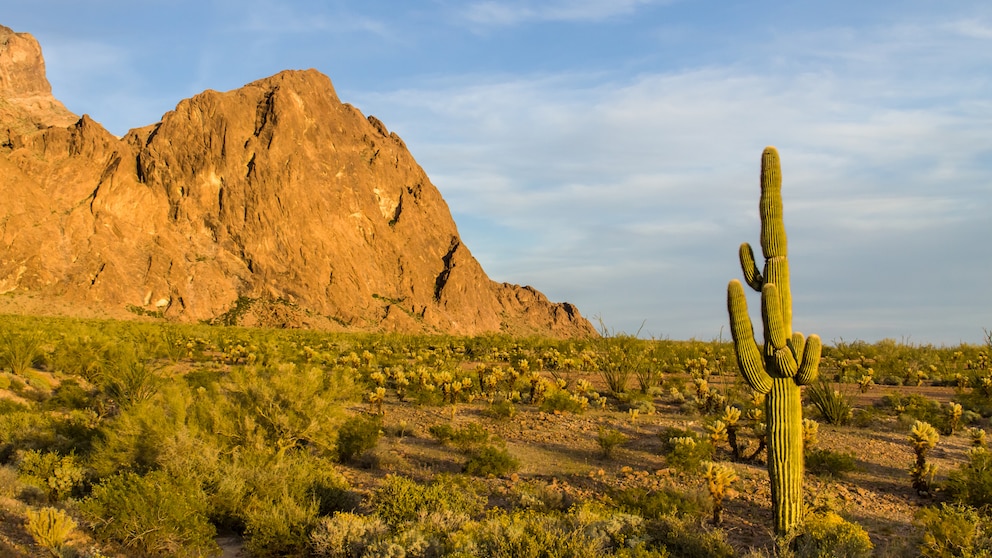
point(274, 204)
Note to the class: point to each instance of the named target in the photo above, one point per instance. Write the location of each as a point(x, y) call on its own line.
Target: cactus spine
point(787, 360)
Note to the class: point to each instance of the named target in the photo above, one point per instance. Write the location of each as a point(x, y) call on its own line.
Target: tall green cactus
point(787, 361)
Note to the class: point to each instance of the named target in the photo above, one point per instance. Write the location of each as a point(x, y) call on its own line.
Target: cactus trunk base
point(785, 453)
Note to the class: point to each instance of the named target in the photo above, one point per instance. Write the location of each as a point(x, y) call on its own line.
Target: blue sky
point(607, 151)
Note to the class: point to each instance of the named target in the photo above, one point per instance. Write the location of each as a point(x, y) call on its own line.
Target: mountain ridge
point(274, 204)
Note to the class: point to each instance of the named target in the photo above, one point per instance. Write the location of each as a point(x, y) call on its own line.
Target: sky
point(607, 152)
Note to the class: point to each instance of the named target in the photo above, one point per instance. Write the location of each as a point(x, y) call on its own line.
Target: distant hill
point(274, 204)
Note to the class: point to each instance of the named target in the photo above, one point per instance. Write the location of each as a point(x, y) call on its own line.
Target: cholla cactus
point(811, 429)
point(787, 360)
point(923, 437)
point(867, 381)
point(718, 432)
point(978, 437)
point(954, 412)
point(719, 478)
point(376, 398)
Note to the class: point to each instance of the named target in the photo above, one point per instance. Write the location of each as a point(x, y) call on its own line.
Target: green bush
point(528, 534)
point(971, 482)
point(913, 407)
point(502, 409)
point(279, 524)
point(830, 463)
point(490, 460)
point(59, 476)
point(346, 535)
point(400, 500)
point(687, 538)
point(828, 535)
point(562, 401)
point(654, 504)
point(69, 395)
point(609, 439)
point(154, 515)
point(953, 530)
point(357, 435)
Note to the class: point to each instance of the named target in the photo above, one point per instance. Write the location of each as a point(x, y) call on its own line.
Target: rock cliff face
point(274, 204)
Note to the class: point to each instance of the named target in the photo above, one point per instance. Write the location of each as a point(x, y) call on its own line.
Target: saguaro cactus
point(786, 361)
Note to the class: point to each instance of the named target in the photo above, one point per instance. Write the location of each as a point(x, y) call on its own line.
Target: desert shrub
point(69, 395)
point(9, 406)
point(489, 460)
point(357, 435)
point(278, 524)
point(24, 429)
point(401, 500)
point(687, 538)
point(346, 535)
point(273, 409)
point(134, 439)
point(539, 495)
point(527, 534)
point(561, 400)
point(832, 403)
point(50, 528)
point(654, 504)
point(130, 381)
point(913, 407)
point(609, 439)
point(155, 515)
point(79, 357)
point(10, 484)
point(688, 453)
point(443, 432)
point(465, 438)
point(828, 535)
point(59, 476)
point(971, 482)
point(953, 530)
point(830, 463)
point(275, 500)
point(502, 409)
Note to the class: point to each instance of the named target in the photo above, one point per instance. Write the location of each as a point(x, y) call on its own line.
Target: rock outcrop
point(274, 204)
point(26, 101)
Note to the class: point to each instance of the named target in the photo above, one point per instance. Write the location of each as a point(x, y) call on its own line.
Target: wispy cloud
point(502, 13)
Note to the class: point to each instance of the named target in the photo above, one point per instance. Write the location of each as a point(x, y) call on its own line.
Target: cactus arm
point(810, 366)
point(749, 358)
point(751, 272)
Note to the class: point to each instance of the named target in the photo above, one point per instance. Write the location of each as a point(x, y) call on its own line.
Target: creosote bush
point(830, 463)
point(609, 439)
point(357, 435)
point(154, 515)
point(491, 461)
point(953, 530)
